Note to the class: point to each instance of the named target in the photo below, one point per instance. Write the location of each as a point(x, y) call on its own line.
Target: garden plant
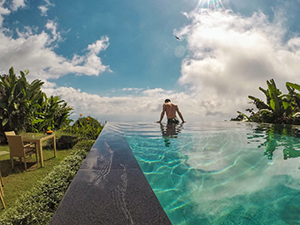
point(38, 205)
point(279, 108)
point(25, 108)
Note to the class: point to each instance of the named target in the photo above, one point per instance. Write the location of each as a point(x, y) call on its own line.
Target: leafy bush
point(24, 107)
point(66, 141)
point(279, 108)
point(51, 113)
point(85, 128)
point(39, 205)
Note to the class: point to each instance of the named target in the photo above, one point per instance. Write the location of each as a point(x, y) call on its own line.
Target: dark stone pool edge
point(110, 188)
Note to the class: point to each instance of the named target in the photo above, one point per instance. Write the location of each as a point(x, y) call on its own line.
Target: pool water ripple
point(221, 173)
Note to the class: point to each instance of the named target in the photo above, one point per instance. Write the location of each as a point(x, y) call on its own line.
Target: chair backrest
point(9, 133)
point(16, 146)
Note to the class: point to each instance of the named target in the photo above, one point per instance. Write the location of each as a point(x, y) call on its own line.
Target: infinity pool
point(221, 172)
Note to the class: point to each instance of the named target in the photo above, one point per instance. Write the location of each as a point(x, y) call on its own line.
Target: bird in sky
point(177, 38)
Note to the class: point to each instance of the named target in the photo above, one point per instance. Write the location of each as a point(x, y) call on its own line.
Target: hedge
point(39, 204)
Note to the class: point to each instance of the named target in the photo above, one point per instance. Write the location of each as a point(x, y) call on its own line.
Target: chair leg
point(2, 200)
point(12, 162)
point(25, 164)
point(37, 162)
point(1, 190)
point(1, 185)
point(1, 180)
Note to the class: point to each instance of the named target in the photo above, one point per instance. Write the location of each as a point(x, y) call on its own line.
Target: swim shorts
point(173, 120)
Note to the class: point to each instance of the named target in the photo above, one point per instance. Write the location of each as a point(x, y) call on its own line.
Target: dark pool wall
point(110, 188)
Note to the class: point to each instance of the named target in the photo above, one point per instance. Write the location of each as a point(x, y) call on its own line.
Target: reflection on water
point(221, 173)
point(275, 136)
point(170, 131)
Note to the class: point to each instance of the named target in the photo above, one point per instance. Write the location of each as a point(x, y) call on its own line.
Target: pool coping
point(110, 188)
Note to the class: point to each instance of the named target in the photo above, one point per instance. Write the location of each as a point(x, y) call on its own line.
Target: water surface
point(221, 172)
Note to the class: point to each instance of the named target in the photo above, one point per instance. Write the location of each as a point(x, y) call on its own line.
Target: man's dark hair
point(167, 100)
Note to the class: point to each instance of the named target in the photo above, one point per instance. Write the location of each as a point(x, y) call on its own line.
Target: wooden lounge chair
point(1, 190)
point(18, 149)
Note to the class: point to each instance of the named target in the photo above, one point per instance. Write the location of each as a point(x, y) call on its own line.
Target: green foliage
point(24, 107)
point(38, 205)
point(259, 103)
point(275, 100)
point(66, 141)
point(86, 144)
point(51, 113)
point(85, 128)
point(280, 108)
point(17, 100)
point(293, 97)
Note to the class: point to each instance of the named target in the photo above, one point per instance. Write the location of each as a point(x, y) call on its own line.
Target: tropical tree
point(51, 113)
point(24, 107)
point(17, 100)
point(279, 108)
point(293, 97)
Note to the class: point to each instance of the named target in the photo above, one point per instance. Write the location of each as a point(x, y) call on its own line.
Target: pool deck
point(110, 188)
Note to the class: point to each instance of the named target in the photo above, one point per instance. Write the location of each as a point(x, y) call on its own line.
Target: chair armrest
point(27, 144)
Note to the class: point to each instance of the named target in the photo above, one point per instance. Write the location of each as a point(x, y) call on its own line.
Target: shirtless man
point(170, 109)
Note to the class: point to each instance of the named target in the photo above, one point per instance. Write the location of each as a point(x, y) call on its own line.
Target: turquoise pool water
point(221, 172)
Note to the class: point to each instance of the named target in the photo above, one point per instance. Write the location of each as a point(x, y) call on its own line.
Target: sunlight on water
point(221, 173)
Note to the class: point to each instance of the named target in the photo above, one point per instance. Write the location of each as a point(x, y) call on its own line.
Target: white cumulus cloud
point(121, 108)
point(52, 26)
point(44, 8)
point(3, 11)
point(34, 51)
point(230, 56)
point(16, 4)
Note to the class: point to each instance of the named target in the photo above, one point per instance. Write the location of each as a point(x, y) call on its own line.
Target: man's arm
point(180, 115)
point(162, 115)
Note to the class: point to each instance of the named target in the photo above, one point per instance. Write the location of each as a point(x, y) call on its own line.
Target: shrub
point(66, 141)
point(24, 107)
point(279, 108)
point(39, 205)
point(85, 128)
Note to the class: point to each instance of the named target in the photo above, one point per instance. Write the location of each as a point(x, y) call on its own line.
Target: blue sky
point(118, 60)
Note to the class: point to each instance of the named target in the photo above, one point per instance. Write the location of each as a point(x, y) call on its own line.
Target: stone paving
point(110, 188)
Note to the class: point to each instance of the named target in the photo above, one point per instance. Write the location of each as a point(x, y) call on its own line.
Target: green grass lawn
point(18, 181)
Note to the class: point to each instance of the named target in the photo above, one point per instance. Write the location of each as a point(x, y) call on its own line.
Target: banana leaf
point(294, 86)
point(275, 101)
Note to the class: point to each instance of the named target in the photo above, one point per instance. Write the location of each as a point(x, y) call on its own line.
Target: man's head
point(167, 100)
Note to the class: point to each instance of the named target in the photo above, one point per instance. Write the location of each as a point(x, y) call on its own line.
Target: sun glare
point(211, 4)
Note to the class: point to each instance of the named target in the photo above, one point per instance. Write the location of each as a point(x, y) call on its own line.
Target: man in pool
point(170, 109)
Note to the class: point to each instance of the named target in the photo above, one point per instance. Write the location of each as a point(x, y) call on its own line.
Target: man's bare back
point(170, 109)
